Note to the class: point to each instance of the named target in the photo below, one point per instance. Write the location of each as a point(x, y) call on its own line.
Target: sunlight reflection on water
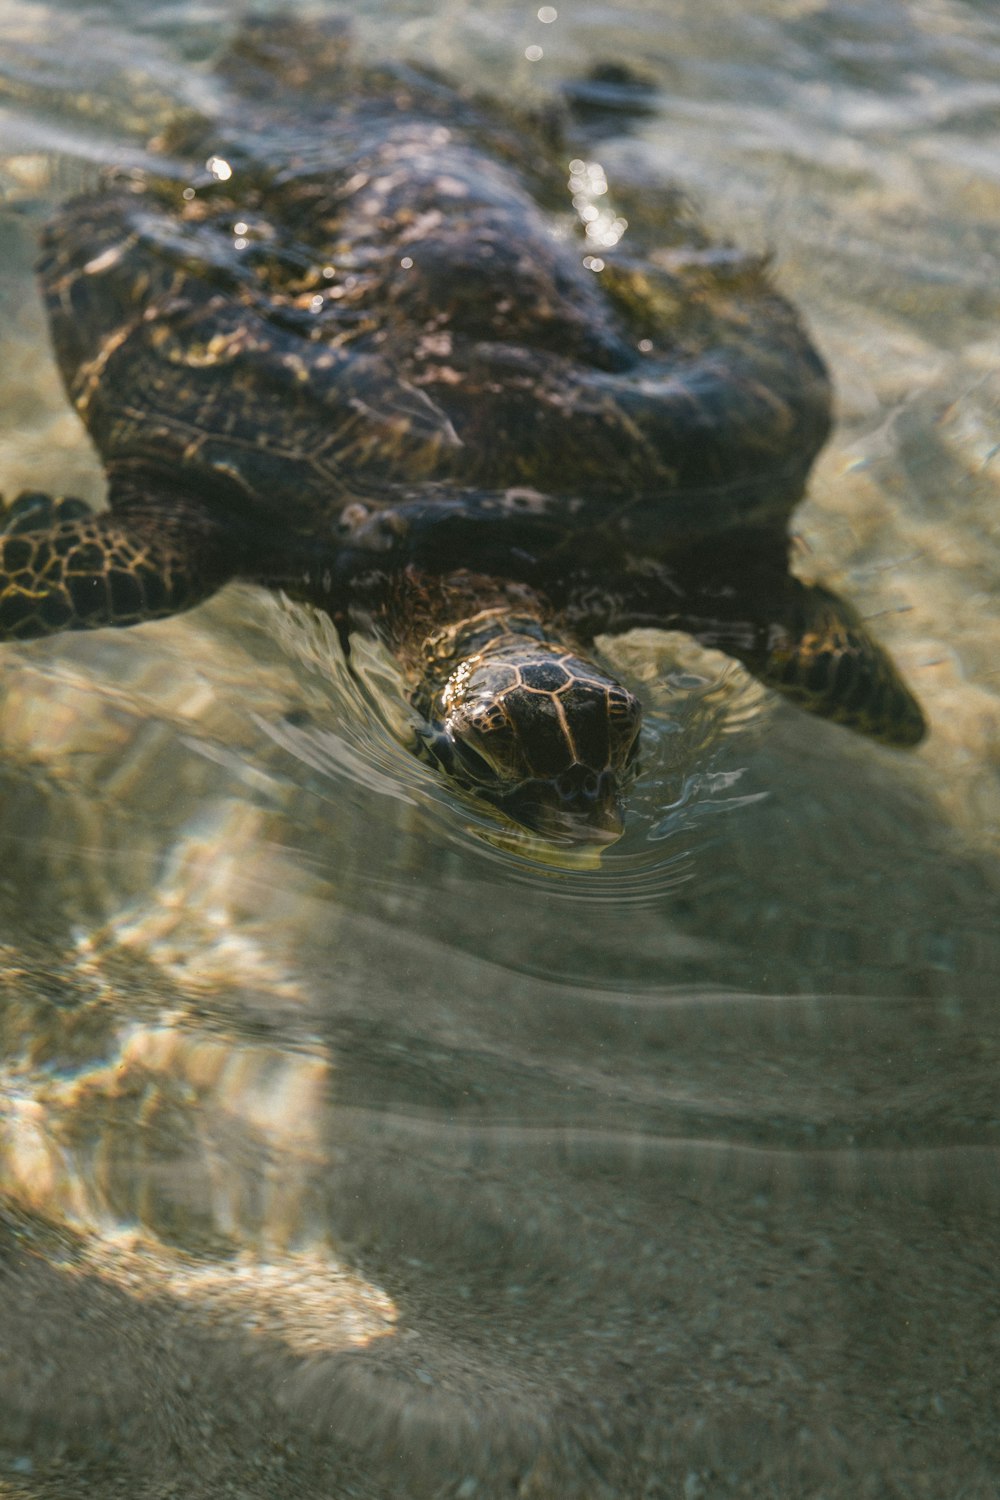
point(349, 1150)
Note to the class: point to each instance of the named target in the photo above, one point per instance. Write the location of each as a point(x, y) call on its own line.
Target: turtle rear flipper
point(73, 571)
point(819, 653)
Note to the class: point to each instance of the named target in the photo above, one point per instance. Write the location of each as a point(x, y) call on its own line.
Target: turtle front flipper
point(63, 567)
point(818, 652)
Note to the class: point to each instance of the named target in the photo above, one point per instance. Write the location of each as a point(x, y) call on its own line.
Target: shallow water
point(349, 1151)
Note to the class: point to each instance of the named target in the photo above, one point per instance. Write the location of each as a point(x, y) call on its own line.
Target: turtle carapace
point(352, 343)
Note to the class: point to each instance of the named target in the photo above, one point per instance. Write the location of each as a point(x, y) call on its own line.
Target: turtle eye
point(470, 760)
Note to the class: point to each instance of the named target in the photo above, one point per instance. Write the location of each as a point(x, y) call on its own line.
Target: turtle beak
point(595, 829)
point(578, 807)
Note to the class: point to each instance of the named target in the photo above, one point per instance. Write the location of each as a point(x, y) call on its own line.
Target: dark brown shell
point(355, 300)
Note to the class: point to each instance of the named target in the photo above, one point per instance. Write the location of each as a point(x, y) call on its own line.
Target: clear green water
point(346, 1153)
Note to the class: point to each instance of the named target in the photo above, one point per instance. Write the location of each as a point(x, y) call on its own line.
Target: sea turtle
point(351, 341)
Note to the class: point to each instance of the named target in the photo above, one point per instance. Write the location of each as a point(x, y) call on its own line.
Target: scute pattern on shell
point(391, 306)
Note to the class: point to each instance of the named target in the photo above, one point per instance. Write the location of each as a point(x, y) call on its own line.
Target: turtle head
point(544, 734)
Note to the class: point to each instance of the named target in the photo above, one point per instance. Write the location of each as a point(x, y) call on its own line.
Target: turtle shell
point(363, 301)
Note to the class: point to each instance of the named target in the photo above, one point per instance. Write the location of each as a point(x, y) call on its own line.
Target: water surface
point(348, 1152)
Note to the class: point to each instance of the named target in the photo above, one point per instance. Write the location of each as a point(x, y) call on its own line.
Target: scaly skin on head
point(517, 714)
